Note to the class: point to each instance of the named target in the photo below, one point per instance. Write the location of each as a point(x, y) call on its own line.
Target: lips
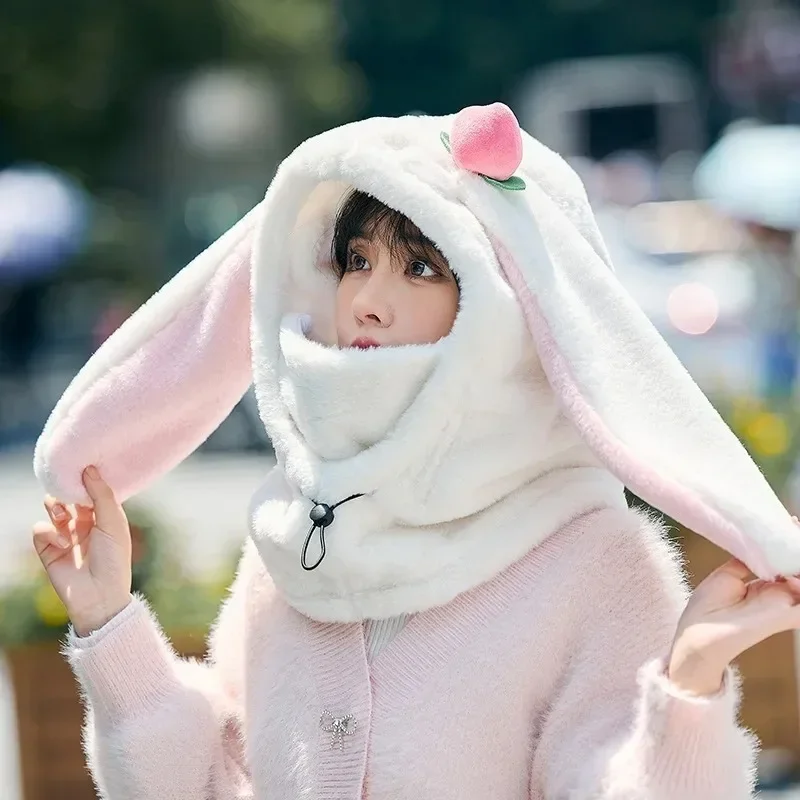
point(363, 343)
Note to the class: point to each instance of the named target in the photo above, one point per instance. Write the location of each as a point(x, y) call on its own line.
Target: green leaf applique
point(513, 184)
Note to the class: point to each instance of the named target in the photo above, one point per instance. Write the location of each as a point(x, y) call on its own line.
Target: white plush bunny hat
point(516, 216)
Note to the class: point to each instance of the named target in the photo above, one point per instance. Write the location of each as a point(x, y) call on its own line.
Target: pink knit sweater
point(545, 683)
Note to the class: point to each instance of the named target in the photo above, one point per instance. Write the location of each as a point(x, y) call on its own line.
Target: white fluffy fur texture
point(162, 383)
point(680, 453)
point(470, 493)
point(654, 429)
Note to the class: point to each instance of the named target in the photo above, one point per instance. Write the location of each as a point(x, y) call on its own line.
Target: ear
point(626, 392)
point(162, 383)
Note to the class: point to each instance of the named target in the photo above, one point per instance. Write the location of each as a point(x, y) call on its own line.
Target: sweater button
point(338, 727)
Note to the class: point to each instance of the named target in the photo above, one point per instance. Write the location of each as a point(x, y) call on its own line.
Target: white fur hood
point(537, 290)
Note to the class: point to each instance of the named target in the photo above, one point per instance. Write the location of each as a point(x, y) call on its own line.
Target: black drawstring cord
point(321, 516)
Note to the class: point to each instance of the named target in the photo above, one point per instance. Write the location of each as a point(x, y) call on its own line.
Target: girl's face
point(387, 297)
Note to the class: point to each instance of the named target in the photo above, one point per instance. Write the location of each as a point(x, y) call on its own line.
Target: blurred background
point(133, 134)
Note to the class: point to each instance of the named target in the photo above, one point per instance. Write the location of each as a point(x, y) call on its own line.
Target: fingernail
point(63, 540)
point(58, 510)
point(92, 473)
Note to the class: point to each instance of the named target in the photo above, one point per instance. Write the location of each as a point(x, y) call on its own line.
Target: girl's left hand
point(727, 614)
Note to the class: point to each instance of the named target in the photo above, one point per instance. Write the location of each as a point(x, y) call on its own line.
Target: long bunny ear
point(627, 393)
point(642, 414)
point(162, 383)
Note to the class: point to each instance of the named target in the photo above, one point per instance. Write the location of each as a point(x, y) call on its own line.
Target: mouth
point(363, 343)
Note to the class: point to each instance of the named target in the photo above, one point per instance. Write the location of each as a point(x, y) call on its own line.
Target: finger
point(45, 535)
point(58, 512)
point(59, 522)
point(108, 514)
point(736, 568)
point(84, 519)
point(83, 513)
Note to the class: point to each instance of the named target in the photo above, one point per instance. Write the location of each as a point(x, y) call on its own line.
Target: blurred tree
point(79, 82)
point(74, 76)
point(437, 57)
point(300, 41)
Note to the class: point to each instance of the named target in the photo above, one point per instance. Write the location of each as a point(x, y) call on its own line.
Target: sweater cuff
point(127, 666)
point(656, 673)
point(680, 725)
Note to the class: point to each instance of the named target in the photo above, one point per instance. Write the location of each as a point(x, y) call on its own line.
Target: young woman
point(443, 593)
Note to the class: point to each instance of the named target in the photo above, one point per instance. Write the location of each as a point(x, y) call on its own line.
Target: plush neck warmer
point(464, 501)
point(344, 401)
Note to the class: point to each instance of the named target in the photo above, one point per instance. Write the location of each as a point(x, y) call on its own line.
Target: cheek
point(436, 312)
point(449, 307)
point(344, 301)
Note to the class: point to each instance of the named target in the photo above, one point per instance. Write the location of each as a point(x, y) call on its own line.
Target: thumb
point(109, 516)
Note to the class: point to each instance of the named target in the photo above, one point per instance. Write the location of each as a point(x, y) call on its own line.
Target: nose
point(372, 303)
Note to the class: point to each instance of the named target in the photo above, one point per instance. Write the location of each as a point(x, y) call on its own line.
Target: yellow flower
point(744, 410)
point(768, 434)
point(50, 608)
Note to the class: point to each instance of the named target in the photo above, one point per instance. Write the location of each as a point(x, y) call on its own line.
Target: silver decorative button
point(337, 727)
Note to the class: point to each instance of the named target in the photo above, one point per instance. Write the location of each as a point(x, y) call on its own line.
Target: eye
point(356, 262)
point(419, 269)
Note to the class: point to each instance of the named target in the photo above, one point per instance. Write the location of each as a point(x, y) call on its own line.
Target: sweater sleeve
point(617, 728)
point(157, 726)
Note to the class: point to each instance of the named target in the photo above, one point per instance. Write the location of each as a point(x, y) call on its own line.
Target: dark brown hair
point(362, 215)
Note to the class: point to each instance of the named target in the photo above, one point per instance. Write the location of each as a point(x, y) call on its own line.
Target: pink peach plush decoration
point(487, 140)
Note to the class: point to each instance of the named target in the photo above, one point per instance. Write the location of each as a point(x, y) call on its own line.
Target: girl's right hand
point(87, 554)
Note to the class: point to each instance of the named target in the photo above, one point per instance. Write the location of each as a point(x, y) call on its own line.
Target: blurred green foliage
point(74, 76)
point(439, 56)
point(30, 610)
point(769, 430)
point(77, 79)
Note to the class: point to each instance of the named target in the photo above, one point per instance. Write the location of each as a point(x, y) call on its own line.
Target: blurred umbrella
point(753, 174)
point(44, 220)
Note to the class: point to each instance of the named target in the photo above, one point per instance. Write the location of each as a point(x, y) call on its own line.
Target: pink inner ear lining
point(487, 140)
point(674, 499)
point(143, 416)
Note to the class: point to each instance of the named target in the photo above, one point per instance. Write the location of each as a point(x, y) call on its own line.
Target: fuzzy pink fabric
point(545, 683)
point(487, 140)
point(150, 409)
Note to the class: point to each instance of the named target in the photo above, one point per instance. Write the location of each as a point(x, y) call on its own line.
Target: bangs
point(363, 216)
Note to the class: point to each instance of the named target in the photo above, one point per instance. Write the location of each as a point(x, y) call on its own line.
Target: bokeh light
point(693, 308)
